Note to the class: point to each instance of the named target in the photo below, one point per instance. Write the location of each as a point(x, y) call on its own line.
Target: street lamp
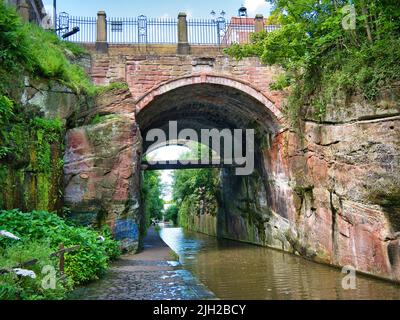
point(71, 33)
point(213, 14)
point(220, 24)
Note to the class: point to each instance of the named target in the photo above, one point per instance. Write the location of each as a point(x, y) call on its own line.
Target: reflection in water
point(234, 270)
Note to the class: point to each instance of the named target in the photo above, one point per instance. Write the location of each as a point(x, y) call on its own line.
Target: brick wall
point(145, 68)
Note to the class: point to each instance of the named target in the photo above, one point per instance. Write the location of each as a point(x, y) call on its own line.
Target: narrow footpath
point(149, 275)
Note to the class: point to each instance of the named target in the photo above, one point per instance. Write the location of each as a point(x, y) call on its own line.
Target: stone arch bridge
point(307, 194)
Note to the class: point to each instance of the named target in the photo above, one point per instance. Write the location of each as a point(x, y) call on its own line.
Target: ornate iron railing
point(143, 30)
point(238, 33)
point(206, 32)
point(87, 28)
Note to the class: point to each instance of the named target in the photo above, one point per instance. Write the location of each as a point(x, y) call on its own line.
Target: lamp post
point(220, 23)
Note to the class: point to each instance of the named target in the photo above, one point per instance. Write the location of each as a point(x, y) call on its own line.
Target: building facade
point(30, 10)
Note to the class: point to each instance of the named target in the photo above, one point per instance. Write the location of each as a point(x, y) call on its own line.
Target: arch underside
point(218, 103)
point(206, 106)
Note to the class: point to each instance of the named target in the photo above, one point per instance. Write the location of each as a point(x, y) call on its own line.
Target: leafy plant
point(27, 48)
point(171, 214)
point(113, 86)
point(14, 287)
point(193, 187)
point(86, 264)
point(322, 59)
point(151, 196)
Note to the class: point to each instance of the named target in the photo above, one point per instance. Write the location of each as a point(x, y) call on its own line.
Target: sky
point(167, 153)
point(158, 8)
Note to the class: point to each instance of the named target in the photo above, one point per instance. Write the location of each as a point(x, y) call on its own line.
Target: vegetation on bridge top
point(322, 59)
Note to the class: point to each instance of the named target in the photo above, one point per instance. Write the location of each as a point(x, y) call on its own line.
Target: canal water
point(234, 270)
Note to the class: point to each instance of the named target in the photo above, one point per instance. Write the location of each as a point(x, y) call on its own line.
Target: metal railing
point(206, 31)
point(142, 30)
point(238, 33)
point(87, 28)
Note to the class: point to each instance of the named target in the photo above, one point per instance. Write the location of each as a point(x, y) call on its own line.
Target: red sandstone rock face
point(335, 171)
point(102, 164)
point(327, 188)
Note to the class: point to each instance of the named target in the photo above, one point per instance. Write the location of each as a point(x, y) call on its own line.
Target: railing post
point(259, 23)
point(101, 41)
point(23, 10)
point(183, 39)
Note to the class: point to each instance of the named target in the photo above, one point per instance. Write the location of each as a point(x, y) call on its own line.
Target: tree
point(321, 58)
point(171, 214)
point(192, 186)
point(151, 195)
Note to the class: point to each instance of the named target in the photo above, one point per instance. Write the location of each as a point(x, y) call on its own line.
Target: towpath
point(150, 275)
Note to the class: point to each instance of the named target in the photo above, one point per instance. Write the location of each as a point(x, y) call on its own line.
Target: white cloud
point(257, 7)
point(189, 13)
point(165, 16)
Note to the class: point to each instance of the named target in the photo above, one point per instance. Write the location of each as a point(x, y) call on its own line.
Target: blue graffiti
point(126, 229)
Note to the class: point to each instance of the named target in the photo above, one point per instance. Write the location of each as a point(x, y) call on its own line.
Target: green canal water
point(234, 270)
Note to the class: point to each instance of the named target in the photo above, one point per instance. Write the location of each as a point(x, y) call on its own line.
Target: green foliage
point(193, 186)
point(6, 113)
point(100, 118)
point(31, 145)
point(97, 119)
point(112, 87)
point(47, 133)
point(322, 59)
point(151, 196)
point(86, 264)
point(281, 82)
point(27, 48)
point(13, 287)
point(171, 214)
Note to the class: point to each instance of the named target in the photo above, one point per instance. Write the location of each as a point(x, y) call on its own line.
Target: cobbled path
point(149, 275)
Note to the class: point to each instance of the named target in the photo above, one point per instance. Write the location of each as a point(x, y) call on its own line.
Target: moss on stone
point(31, 172)
point(111, 87)
point(97, 119)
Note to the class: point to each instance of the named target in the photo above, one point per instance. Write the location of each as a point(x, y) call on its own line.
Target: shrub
point(171, 213)
point(324, 61)
point(13, 287)
point(86, 264)
point(27, 48)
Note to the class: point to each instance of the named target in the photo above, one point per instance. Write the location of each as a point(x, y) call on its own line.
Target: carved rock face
point(102, 163)
point(328, 191)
